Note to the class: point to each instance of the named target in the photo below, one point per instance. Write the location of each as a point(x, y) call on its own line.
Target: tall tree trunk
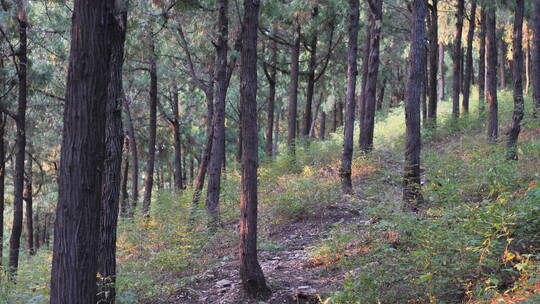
point(442, 70)
point(412, 195)
point(501, 63)
point(370, 96)
point(433, 62)
point(456, 65)
point(124, 201)
point(29, 213)
point(469, 58)
point(2, 178)
point(150, 164)
point(491, 74)
point(76, 243)
point(135, 160)
point(20, 143)
point(308, 116)
point(482, 62)
point(114, 140)
point(423, 96)
point(206, 155)
point(178, 175)
point(536, 57)
point(518, 80)
point(352, 72)
point(322, 131)
point(293, 91)
point(271, 76)
point(380, 98)
point(527, 60)
point(275, 144)
point(361, 103)
point(218, 145)
point(251, 273)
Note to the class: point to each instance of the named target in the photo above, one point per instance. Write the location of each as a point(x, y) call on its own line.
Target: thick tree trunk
point(271, 77)
point(20, 145)
point(76, 240)
point(491, 75)
point(527, 60)
point(308, 115)
point(536, 57)
point(469, 59)
point(442, 70)
point(380, 98)
point(335, 118)
point(322, 131)
point(412, 195)
point(518, 80)
point(370, 96)
point(293, 91)
point(29, 213)
point(456, 65)
point(150, 164)
point(135, 161)
point(218, 145)
point(482, 63)
point(433, 63)
point(251, 273)
point(352, 72)
point(114, 140)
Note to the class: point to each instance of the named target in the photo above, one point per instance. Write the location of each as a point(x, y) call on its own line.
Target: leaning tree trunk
point(536, 57)
point(491, 75)
point(114, 140)
point(370, 96)
point(135, 160)
point(293, 92)
point(218, 145)
point(456, 60)
point(412, 195)
point(469, 59)
point(251, 273)
point(308, 115)
point(76, 240)
point(513, 133)
point(348, 133)
point(482, 63)
point(150, 164)
point(20, 145)
point(433, 64)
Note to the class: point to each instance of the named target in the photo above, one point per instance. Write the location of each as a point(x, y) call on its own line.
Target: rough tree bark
point(370, 96)
point(491, 74)
point(513, 133)
point(456, 59)
point(218, 145)
point(76, 243)
point(469, 59)
point(293, 91)
point(352, 72)
point(536, 57)
point(412, 195)
point(2, 181)
point(114, 140)
point(28, 198)
point(150, 164)
point(433, 63)
point(20, 142)
point(482, 62)
point(251, 273)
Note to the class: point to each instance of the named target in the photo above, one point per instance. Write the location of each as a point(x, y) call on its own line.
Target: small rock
point(223, 283)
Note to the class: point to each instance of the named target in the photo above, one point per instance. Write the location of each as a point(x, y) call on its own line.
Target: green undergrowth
point(477, 236)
